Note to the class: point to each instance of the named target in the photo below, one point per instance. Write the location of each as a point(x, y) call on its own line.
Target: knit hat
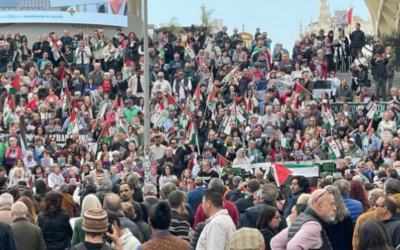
point(245, 239)
point(95, 220)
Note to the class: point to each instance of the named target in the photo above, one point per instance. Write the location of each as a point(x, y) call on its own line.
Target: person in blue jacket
point(299, 186)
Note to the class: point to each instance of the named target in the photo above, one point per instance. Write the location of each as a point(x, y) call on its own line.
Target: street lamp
point(146, 131)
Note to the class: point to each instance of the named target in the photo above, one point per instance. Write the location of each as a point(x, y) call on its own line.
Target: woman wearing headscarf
point(241, 157)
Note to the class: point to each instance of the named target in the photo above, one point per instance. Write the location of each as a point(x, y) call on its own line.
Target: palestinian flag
point(121, 104)
point(62, 77)
point(14, 86)
point(193, 133)
point(334, 151)
point(11, 106)
point(162, 52)
point(328, 118)
point(99, 45)
point(297, 103)
point(72, 122)
point(282, 171)
point(223, 163)
point(121, 127)
point(320, 87)
point(230, 75)
point(105, 134)
point(189, 53)
point(115, 104)
point(120, 51)
point(197, 94)
point(68, 98)
point(183, 121)
point(300, 91)
point(211, 96)
point(171, 101)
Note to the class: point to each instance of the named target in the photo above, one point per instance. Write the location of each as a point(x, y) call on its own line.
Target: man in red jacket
point(232, 210)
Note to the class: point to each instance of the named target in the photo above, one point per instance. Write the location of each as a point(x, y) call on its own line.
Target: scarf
point(55, 43)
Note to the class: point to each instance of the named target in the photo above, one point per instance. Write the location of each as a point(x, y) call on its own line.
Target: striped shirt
point(179, 226)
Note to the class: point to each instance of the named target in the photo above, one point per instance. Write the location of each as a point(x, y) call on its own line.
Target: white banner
point(266, 166)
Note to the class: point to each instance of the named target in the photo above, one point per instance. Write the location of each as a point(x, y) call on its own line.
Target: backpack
point(82, 246)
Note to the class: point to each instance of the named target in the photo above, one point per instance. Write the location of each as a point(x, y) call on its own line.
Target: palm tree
point(206, 18)
point(174, 26)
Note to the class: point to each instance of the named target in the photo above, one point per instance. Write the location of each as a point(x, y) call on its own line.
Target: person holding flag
point(261, 55)
point(359, 118)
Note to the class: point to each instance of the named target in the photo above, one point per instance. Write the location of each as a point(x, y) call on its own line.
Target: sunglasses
point(319, 196)
point(377, 205)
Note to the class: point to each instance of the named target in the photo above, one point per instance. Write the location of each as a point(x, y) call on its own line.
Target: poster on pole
point(341, 18)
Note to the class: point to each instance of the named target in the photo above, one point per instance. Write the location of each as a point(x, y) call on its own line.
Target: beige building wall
point(385, 15)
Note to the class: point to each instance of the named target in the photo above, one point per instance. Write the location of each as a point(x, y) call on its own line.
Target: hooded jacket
point(250, 215)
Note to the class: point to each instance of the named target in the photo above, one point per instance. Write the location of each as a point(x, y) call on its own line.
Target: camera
point(246, 175)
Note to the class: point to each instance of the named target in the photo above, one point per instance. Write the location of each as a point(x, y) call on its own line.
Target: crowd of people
point(216, 106)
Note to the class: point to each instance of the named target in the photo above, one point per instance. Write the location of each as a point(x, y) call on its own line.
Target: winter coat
point(344, 92)
point(27, 235)
point(391, 66)
point(380, 69)
point(56, 230)
point(268, 233)
point(249, 217)
point(340, 234)
point(357, 39)
point(194, 236)
point(355, 207)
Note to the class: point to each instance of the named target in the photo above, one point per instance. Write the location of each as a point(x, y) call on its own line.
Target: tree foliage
point(174, 25)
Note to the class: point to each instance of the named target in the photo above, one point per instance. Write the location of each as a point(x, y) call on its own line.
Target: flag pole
point(313, 151)
point(205, 111)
